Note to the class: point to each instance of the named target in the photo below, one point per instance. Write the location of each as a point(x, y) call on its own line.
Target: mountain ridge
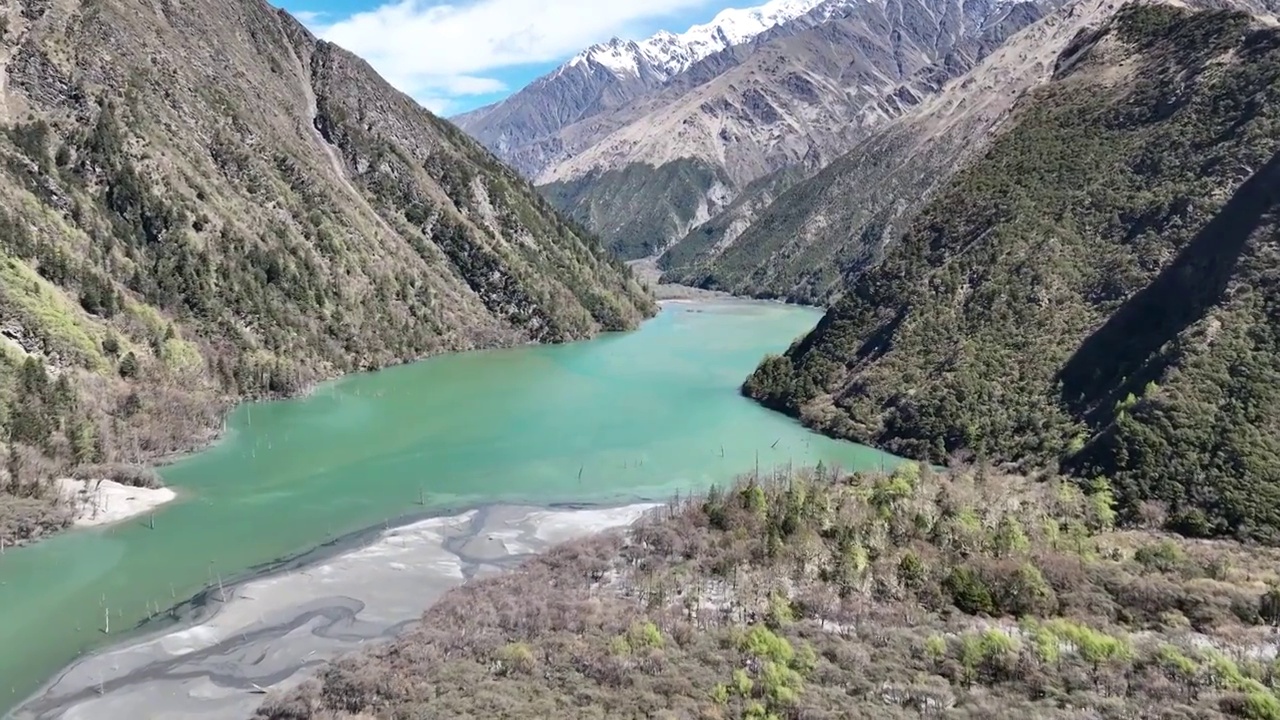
point(1092, 291)
point(204, 202)
point(608, 74)
point(795, 96)
point(809, 230)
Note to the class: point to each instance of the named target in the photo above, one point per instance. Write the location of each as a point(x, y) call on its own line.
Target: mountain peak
point(667, 53)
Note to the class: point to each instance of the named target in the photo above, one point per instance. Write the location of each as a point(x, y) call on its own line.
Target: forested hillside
point(1098, 290)
point(966, 595)
point(201, 202)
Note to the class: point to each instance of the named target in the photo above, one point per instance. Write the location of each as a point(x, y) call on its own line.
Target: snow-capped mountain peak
point(666, 53)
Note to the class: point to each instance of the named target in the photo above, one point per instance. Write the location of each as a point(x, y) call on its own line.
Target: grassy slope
point(830, 597)
point(1095, 290)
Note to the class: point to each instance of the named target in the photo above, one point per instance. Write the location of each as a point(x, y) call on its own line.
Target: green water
point(625, 416)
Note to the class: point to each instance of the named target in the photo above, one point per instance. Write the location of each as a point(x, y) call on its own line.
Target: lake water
point(626, 416)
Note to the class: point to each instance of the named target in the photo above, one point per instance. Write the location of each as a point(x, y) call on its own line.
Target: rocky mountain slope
point(795, 235)
point(521, 128)
point(202, 201)
point(670, 156)
point(1098, 289)
point(798, 237)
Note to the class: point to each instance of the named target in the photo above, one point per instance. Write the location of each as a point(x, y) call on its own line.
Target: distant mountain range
point(666, 54)
point(605, 76)
point(645, 141)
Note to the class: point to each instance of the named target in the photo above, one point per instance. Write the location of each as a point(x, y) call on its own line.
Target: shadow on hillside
point(1106, 362)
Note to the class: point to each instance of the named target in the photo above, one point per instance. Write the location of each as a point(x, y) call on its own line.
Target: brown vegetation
point(828, 596)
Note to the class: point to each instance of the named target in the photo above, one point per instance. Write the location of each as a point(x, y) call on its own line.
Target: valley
point(664, 151)
point(619, 419)
point(826, 359)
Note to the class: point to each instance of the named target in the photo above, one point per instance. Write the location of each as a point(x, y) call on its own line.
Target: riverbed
point(239, 641)
point(624, 418)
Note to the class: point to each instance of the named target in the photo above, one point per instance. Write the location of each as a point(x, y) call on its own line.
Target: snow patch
point(666, 54)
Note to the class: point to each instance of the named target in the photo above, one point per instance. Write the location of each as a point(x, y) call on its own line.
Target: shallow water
point(627, 416)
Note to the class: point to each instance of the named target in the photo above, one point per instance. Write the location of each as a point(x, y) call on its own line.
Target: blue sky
point(454, 56)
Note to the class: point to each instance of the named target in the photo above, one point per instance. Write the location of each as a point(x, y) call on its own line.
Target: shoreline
point(266, 629)
point(102, 502)
point(210, 436)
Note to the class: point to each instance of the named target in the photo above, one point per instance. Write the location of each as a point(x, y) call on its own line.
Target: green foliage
point(128, 365)
point(1261, 705)
point(1044, 642)
point(780, 612)
point(1009, 537)
point(968, 592)
point(37, 303)
point(720, 694)
point(911, 570)
point(1068, 297)
point(753, 499)
point(935, 648)
point(1177, 663)
point(1164, 556)
point(517, 658)
point(1097, 648)
point(645, 635)
point(1102, 505)
point(760, 642)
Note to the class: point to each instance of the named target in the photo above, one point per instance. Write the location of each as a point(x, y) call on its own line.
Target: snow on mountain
point(667, 53)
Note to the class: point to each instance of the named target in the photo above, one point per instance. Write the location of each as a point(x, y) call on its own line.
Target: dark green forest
point(1097, 292)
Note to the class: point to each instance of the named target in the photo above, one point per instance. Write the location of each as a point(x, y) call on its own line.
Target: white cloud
point(310, 18)
point(440, 51)
point(441, 106)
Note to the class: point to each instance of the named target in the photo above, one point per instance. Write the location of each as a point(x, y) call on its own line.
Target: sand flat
point(270, 632)
point(103, 502)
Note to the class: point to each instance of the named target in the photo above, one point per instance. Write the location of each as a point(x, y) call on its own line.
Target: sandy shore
point(270, 632)
point(102, 502)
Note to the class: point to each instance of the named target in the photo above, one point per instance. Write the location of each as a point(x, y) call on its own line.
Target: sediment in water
point(219, 651)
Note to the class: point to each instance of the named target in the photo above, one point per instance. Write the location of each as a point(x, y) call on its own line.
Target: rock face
point(780, 104)
point(798, 232)
point(202, 200)
point(1096, 289)
point(797, 238)
point(522, 129)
